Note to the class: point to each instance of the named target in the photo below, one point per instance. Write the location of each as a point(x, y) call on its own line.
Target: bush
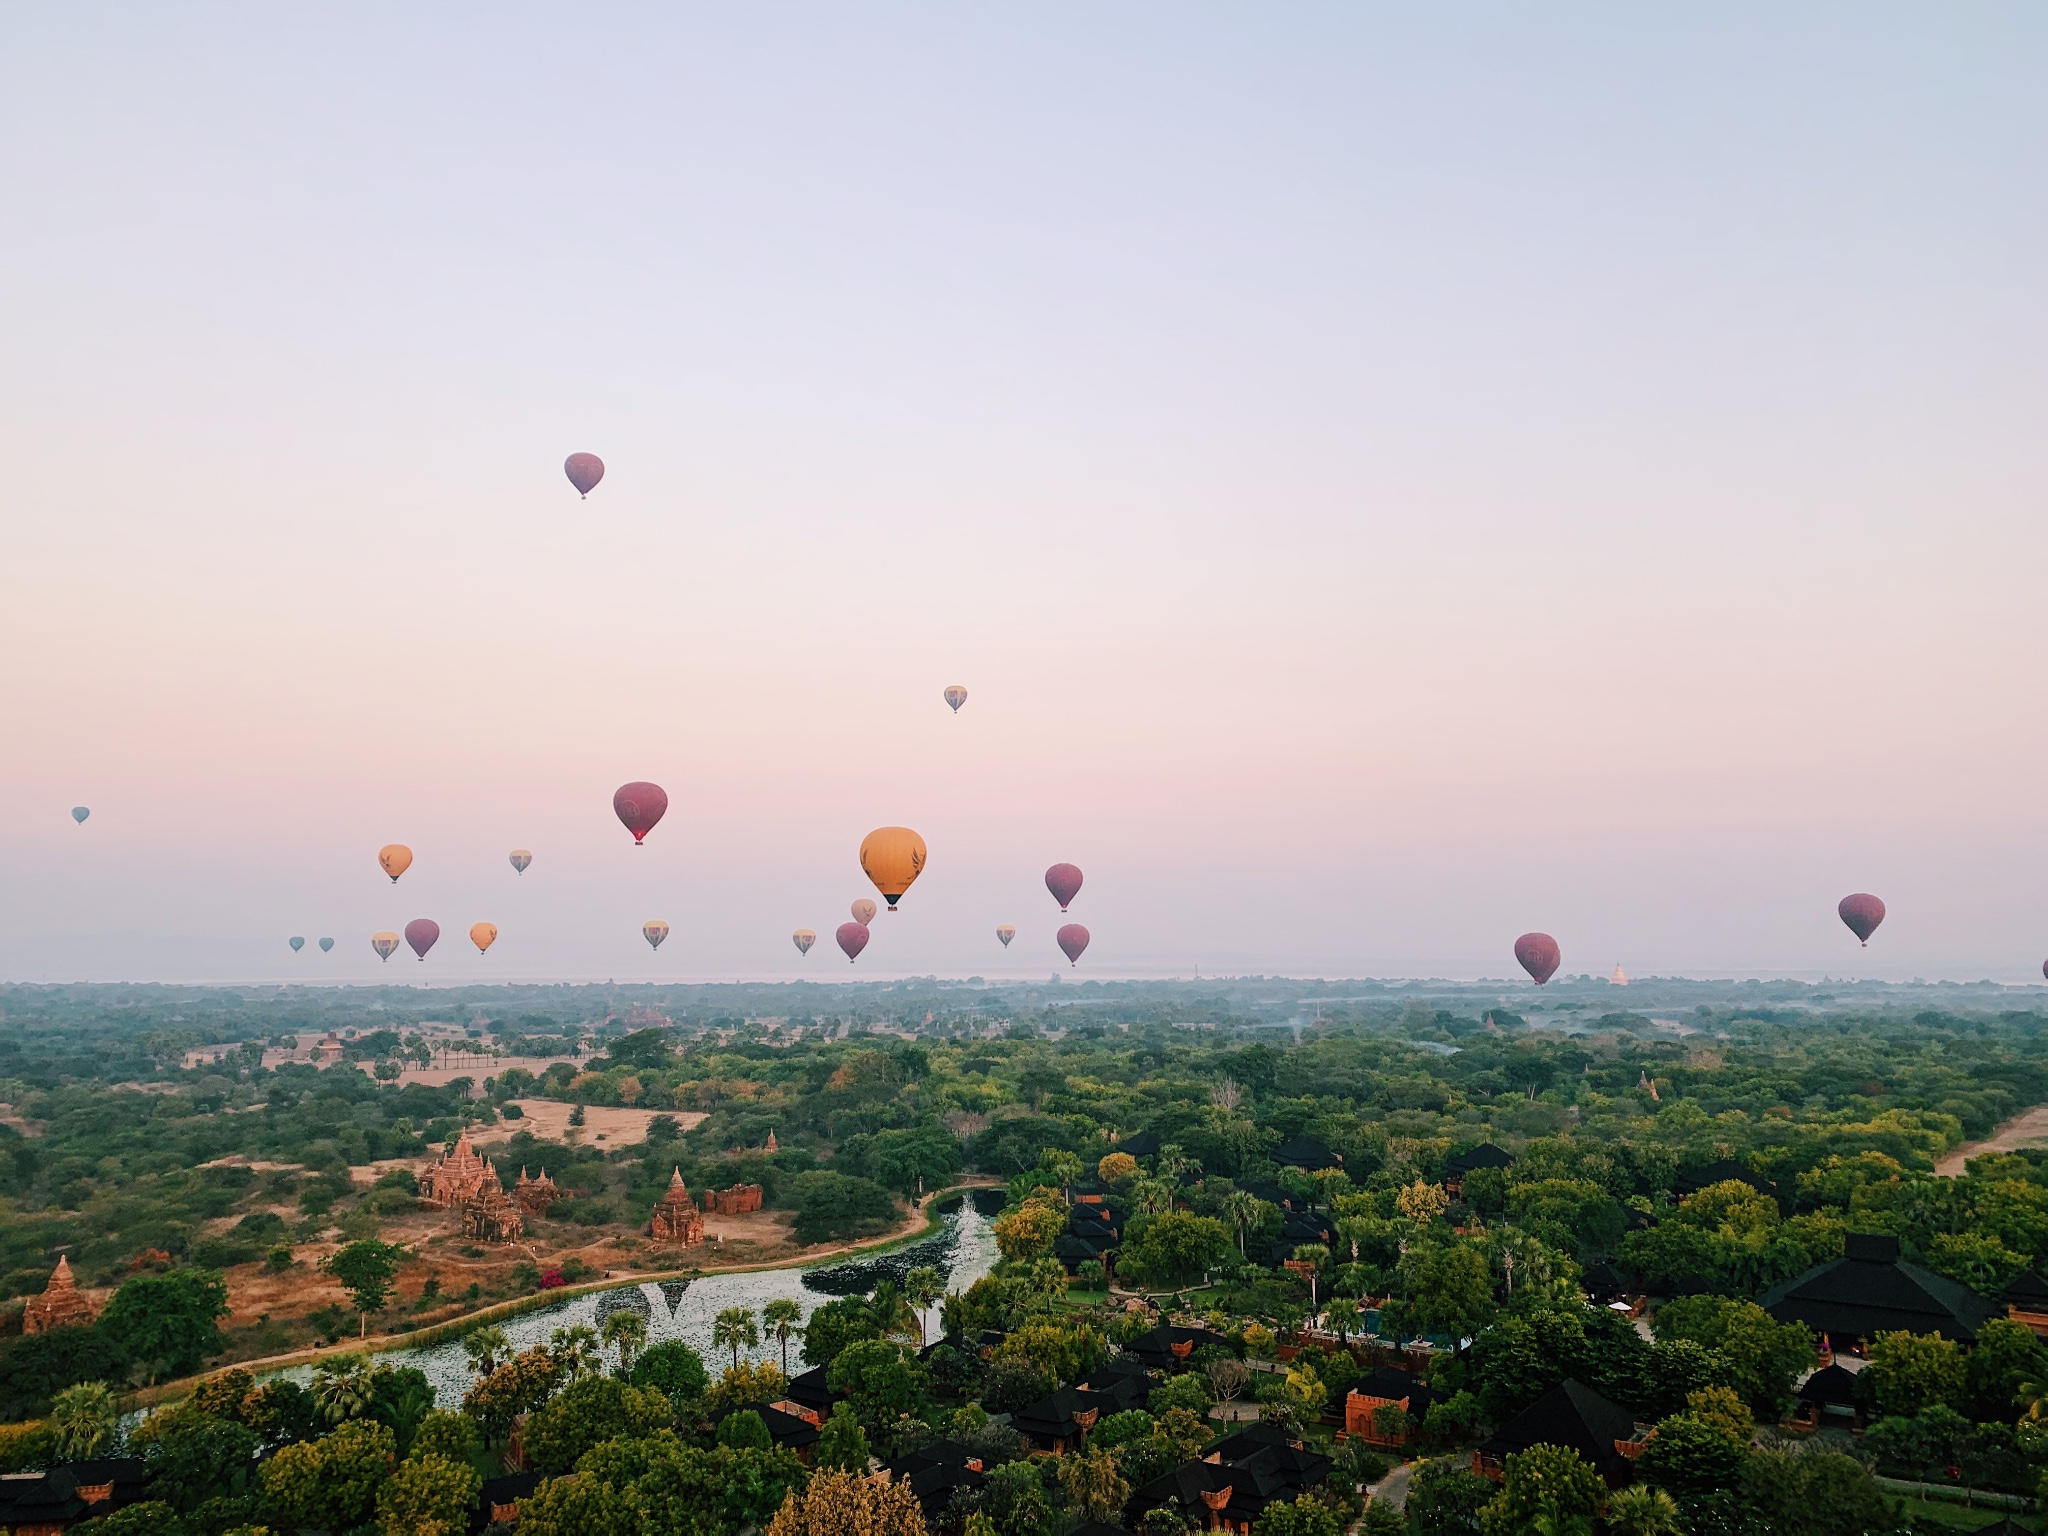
point(832, 1206)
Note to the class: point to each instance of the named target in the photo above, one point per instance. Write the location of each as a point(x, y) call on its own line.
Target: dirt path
point(2029, 1128)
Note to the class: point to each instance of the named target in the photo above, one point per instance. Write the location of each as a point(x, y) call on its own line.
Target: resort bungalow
point(1471, 1160)
point(1871, 1290)
point(1236, 1483)
point(1057, 1424)
point(1576, 1417)
point(1307, 1154)
point(1827, 1400)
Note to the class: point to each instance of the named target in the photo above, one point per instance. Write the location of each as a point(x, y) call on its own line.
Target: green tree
point(1449, 1288)
point(1643, 1511)
point(428, 1496)
point(1175, 1249)
point(169, 1323)
point(881, 1380)
point(518, 1386)
point(744, 1430)
point(1093, 1485)
point(626, 1330)
point(1546, 1487)
point(576, 1350)
point(672, 1367)
point(922, 1288)
point(578, 1506)
point(1027, 1231)
point(1911, 1371)
point(1691, 1454)
point(734, 1329)
point(842, 1445)
point(1761, 1356)
point(847, 1504)
point(587, 1412)
point(330, 1483)
point(342, 1388)
point(366, 1270)
point(1446, 1496)
point(834, 1326)
point(1243, 1211)
point(486, 1348)
point(193, 1456)
point(782, 1314)
point(1300, 1517)
point(830, 1205)
point(85, 1420)
point(453, 1435)
point(400, 1399)
point(2005, 1357)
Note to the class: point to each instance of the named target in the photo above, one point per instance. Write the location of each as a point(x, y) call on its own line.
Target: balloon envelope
point(1539, 956)
point(326, 945)
point(297, 942)
point(1005, 932)
point(853, 938)
point(863, 911)
point(1064, 881)
point(520, 859)
point(421, 933)
point(640, 805)
point(654, 931)
point(892, 857)
point(584, 471)
point(803, 938)
point(1073, 940)
point(395, 859)
point(1862, 912)
point(384, 944)
point(80, 812)
point(956, 696)
point(483, 935)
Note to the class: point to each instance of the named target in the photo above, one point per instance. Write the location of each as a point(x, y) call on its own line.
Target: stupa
point(489, 1217)
point(676, 1218)
point(458, 1177)
point(536, 1195)
point(62, 1304)
point(1619, 978)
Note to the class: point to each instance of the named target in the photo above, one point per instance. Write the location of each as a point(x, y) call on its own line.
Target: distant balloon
point(1006, 932)
point(1064, 881)
point(384, 944)
point(1073, 940)
point(640, 806)
point(892, 857)
point(956, 696)
point(520, 859)
point(863, 911)
point(803, 938)
point(853, 938)
point(654, 931)
point(80, 812)
point(326, 945)
point(420, 933)
point(584, 471)
point(396, 859)
point(297, 942)
point(483, 935)
point(1539, 956)
point(1862, 912)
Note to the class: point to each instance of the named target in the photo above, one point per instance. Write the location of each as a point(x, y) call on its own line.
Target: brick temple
point(458, 1177)
point(62, 1304)
point(536, 1195)
point(676, 1219)
point(736, 1201)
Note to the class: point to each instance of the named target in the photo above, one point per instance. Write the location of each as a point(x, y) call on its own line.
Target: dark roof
point(1871, 1290)
point(1155, 1347)
point(30, 1498)
point(121, 1471)
point(1074, 1253)
point(784, 1429)
point(1249, 1440)
point(1097, 1528)
point(1057, 1416)
point(2028, 1291)
point(933, 1484)
point(1574, 1416)
point(1306, 1153)
point(808, 1388)
point(1472, 1159)
point(1138, 1144)
point(1263, 1474)
point(509, 1489)
point(1603, 1280)
point(1690, 1181)
point(1272, 1194)
point(938, 1453)
point(1830, 1384)
point(1385, 1381)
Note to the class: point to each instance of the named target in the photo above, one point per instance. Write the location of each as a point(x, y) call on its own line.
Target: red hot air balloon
point(1539, 956)
point(584, 471)
point(420, 933)
point(1064, 881)
point(640, 806)
point(1862, 912)
point(853, 938)
point(1073, 939)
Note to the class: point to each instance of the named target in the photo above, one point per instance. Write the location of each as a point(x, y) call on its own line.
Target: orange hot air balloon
point(956, 696)
point(803, 938)
point(396, 859)
point(1006, 932)
point(386, 944)
point(892, 857)
point(483, 935)
point(654, 931)
point(520, 859)
point(863, 911)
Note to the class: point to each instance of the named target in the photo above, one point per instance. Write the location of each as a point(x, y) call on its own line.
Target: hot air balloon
point(297, 942)
point(803, 938)
point(396, 859)
point(420, 933)
point(584, 471)
point(863, 911)
point(520, 859)
point(326, 945)
point(384, 944)
point(1005, 932)
point(80, 812)
point(956, 696)
point(853, 938)
point(1539, 956)
point(1862, 912)
point(1064, 881)
point(892, 857)
point(654, 931)
point(640, 806)
point(1073, 939)
point(483, 935)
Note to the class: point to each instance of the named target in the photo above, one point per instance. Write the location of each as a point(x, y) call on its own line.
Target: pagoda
point(676, 1218)
point(536, 1195)
point(489, 1217)
point(458, 1177)
point(62, 1304)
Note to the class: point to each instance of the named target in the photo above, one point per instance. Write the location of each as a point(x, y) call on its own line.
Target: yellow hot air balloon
point(654, 932)
point(396, 859)
point(863, 911)
point(892, 857)
point(803, 938)
point(1005, 932)
point(384, 944)
point(483, 935)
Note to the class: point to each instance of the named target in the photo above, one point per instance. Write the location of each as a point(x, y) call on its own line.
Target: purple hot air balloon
point(1862, 912)
point(420, 933)
point(1073, 939)
point(1539, 956)
point(853, 938)
point(1064, 881)
point(640, 805)
point(584, 471)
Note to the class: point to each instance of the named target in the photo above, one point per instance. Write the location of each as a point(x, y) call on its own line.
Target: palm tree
point(1173, 1163)
point(891, 1312)
point(1643, 1511)
point(1153, 1196)
point(734, 1328)
point(341, 1388)
point(922, 1287)
point(85, 1419)
point(782, 1315)
point(1241, 1210)
point(487, 1347)
point(627, 1329)
point(576, 1350)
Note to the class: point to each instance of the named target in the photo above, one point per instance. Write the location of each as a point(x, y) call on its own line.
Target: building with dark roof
point(808, 1389)
point(39, 1501)
point(789, 1426)
point(1871, 1290)
point(936, 1472)
point(1828, 1398)
point(1574, 1416)
point(1123, 1383)
point(498, 1500)
point(1690, 1181)
point(1138, 1144)
point(2026, 1302)
point(1079, 1257)
point(1306, 1153)
point(1231, 1487)
point(1166, 1347)
point(1471, 1160)
point(1378, 1390)
point(1058, 1423)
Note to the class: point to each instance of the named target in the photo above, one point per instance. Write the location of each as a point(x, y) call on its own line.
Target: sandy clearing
point(548, 1120)
point(2026, 1129)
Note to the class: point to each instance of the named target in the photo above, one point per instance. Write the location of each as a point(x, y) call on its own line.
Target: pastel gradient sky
point(1390, 476)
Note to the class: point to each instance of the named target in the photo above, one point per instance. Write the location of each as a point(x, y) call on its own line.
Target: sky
point(1389, 477)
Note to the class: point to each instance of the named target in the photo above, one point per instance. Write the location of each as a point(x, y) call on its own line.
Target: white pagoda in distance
point(1619, 978)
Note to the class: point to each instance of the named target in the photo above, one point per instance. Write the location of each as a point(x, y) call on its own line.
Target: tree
point(834, 1326)
point(892, 1311)
point(1544, 1485)
point(1116, 1166)
point(85, 1420)
point(453, 1435)
point(1449, 1288)
point(1299, 1517)
point(486, 1347)
point(747, 1383)
point(330, 1483)
point(830, 1205)
point(1762, 1356)
point(1093, 1485)
point(1227, 1378)
point(400, 1399)
point(734, 1329)
point(366, 1270)
point(2005, 1357)
point(1911, 1371)
point(672, 1368)
point(342, 1388)
point(518, 1386)
point(1027, 1231)
point(841, 1443)
point(783, 1314)
point(847, 1504)
point(627, 1330)
point(429, 1496)
point(167, 1323)
point(1692, 1454)
point(1243, 1211)
point(744, 1429)
point(1175, 1249)
point(1446, 1496)
point(576, 1350)
point(922, 1288)
point(586, 1413)
point(1643, 1511)
point(881, 1380)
